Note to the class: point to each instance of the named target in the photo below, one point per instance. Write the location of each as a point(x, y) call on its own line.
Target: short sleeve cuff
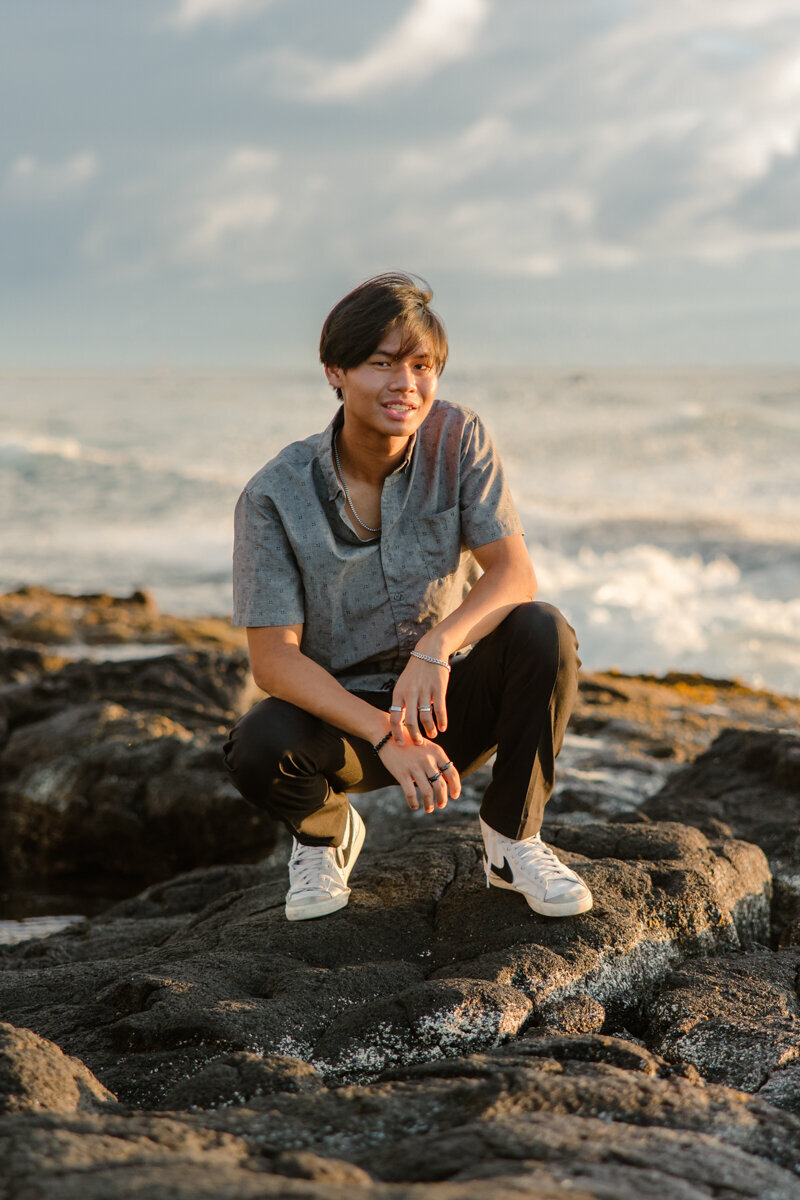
point(478, 533)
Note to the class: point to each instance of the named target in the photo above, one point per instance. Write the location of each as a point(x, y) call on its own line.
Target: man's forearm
point(498, 591)
point(294, 677)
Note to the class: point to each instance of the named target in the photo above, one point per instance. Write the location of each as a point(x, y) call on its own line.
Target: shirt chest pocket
point(439, 537)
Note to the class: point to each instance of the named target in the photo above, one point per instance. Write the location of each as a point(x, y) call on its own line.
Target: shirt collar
point(325, 454)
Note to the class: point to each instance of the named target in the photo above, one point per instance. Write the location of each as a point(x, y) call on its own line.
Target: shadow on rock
point(116, 769)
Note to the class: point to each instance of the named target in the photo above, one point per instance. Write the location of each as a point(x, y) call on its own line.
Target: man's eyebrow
point(392, 354)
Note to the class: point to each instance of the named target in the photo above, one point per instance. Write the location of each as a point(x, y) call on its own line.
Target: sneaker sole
point(545, 908)
point(317, 908)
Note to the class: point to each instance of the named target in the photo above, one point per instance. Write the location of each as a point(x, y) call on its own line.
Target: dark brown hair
point(354, 327)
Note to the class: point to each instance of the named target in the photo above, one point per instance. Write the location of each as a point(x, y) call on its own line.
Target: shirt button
point(397, 595)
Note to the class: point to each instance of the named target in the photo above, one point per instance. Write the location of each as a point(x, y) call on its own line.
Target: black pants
point(513, 694)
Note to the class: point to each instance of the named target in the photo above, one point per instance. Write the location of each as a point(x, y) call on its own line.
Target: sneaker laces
point(310, 864)
point(534, 853)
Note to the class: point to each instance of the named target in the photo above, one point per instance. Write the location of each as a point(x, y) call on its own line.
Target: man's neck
point(367, 457)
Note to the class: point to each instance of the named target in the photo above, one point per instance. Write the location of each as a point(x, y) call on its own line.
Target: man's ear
point(335, 376)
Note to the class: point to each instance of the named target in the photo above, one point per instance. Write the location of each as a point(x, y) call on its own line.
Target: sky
point(583, 182)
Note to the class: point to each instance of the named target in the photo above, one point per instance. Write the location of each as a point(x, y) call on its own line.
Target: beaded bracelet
point(379, 745)
point(440, 662)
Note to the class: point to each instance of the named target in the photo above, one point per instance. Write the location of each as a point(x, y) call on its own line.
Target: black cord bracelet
point(379, 745)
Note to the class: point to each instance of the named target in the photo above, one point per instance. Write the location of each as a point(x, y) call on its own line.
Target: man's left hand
point(419, 701)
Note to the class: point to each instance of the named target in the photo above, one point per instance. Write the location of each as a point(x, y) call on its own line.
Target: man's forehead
point(393, 341)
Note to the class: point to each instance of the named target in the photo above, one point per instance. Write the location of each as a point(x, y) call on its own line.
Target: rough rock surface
point(674, 717)
point(630, 734)
point(35, 1075)
point(748, 779)
point(736, 1017)
point(549, 1116)
point(115, 768)
point(38, 616)
point(424, 962)
point(749, 783)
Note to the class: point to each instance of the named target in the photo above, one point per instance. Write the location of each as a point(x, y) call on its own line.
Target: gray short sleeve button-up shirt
point(364, 605)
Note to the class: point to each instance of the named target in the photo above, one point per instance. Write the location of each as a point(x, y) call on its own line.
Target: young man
point(365, 558)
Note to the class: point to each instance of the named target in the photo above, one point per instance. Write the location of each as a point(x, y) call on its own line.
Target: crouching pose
point(366, 558)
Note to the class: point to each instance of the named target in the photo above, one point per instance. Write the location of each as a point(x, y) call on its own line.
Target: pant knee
point(261, 742)
point(542, 630)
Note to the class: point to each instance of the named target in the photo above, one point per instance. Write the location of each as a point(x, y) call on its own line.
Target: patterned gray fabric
point(364, 605)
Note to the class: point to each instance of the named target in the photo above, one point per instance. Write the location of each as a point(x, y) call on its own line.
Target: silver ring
point(396, 707)
point(447, 766)
point(434, 778)
point(424, 707)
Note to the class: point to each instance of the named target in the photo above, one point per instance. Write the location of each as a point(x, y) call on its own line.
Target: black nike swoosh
point(503, 872)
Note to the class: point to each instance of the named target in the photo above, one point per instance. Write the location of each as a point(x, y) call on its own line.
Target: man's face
point(386, 395)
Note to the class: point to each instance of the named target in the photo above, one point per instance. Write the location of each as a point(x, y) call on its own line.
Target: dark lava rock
point(628, 734)
point(116, 769)
point(750, 782)
point(239, 1078)
point(35, 1075)
point(549, 1116)
point(736, 1017)
point(434, 1040)
point(205, 686)
point(303, 1164)
point(20, 663)
point(576, 1014)
point(425, 962)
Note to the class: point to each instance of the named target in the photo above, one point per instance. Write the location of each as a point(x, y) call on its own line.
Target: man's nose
point(403, 377)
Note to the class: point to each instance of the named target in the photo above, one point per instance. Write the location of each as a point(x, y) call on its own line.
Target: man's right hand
point(281, 669)
point(415, 766)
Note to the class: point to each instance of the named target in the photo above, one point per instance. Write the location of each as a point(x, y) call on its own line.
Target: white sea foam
point(16, 446)
point(25, 930)
point(643, 608)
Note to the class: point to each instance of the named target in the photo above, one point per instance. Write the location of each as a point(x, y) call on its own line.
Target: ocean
point(661, 508)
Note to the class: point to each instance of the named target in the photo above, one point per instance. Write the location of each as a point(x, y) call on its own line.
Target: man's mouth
point(399, 408)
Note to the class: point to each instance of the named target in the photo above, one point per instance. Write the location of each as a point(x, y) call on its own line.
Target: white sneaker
point(530, 867)
point(318, 875)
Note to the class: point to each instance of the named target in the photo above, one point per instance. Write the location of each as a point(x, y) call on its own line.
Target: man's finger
point(440, 789)
point(413, 730)
point(426, 718)
point(438, 785)
point(396, 722)
point(441, 709)
point(425, 789)
point(410, 792)
point(452, 778)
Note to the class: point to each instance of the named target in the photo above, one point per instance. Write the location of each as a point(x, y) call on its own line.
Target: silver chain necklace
point(363, 524)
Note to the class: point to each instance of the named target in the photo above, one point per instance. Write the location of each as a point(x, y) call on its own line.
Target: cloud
point(191, 13)
point(220, 217)
point(431, 34)
point(646, 139)
point(663, 122)
point(31, 178)
point(225, 220)
point(474, 151)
